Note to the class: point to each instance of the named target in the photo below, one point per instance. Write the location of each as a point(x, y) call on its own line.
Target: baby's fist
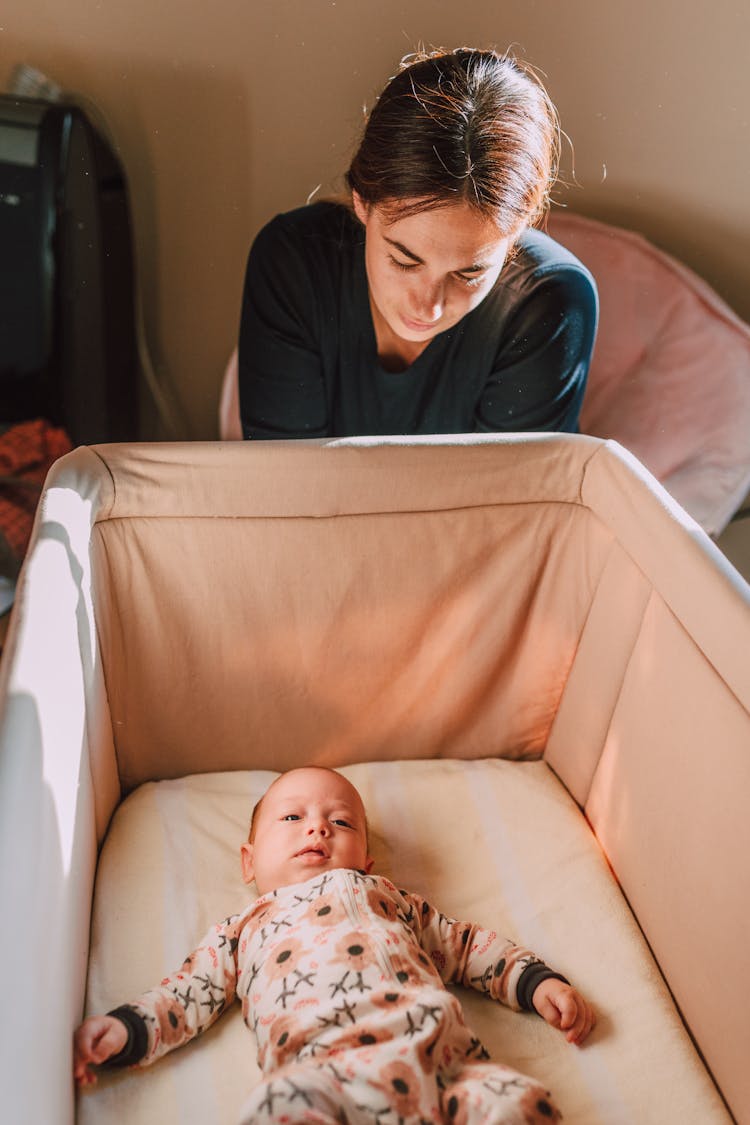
point(562, 1007)
point(96, 1040)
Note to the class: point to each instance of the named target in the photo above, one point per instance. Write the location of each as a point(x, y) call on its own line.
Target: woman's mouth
point(418, 325)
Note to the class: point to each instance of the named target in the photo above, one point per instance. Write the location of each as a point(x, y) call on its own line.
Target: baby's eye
point(291, 816)
point(343, 823)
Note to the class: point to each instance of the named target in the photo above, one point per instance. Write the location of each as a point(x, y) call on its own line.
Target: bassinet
point(527, 656)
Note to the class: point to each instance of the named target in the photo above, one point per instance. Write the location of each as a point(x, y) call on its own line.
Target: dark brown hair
point(460, 126)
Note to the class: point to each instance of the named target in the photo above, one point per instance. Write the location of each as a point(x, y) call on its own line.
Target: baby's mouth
point(314, 850)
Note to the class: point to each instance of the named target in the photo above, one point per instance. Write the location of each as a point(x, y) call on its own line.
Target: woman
point(430, 305)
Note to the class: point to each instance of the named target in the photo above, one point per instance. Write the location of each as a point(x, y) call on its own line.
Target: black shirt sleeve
point(540, 371)
point(282, 394)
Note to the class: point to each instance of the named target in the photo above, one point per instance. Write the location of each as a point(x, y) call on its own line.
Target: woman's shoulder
point(538, 255)
point(311, 252)
point(544, 273)
point(324, 227)
point(541, 283)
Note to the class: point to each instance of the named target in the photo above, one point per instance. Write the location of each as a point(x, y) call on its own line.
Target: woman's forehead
point(456, 230)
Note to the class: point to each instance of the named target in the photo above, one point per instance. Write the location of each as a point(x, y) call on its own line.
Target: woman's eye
point(470, 279)
point(405, 266)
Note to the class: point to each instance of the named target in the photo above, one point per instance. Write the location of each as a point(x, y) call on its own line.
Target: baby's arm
point(463, 953)
point(184, 1005)
point(563, 1007)
point(98, 1039)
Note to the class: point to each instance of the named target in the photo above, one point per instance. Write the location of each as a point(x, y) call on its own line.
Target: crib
point(530, 660)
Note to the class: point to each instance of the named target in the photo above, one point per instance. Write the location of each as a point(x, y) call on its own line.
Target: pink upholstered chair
point(670, 377)
point(230, 428)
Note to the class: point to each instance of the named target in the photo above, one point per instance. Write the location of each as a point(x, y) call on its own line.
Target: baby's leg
point(301, 1092)
point(491, 1094)
point(357, 1087)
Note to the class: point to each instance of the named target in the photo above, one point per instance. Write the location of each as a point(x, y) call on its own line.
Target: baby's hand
point(563, 1007)
point(96, 1040)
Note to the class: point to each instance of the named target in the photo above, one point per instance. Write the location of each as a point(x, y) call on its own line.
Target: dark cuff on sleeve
point(137, 1043)
point(530, 979)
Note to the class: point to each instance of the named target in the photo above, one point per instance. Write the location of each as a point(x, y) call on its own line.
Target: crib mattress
point(496, 841)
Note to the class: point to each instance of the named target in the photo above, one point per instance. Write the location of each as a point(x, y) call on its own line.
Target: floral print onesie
point(342, 979)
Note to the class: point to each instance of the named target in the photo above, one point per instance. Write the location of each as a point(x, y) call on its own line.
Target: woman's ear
point(247, 859)
point(361, 209)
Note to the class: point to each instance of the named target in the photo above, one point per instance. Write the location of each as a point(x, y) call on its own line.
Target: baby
point(342, 978)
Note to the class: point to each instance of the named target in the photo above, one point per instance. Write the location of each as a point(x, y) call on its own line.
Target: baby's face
point(311, 820)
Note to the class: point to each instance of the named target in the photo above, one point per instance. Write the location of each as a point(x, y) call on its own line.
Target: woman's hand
point(562, 1007)
point(96, 1040)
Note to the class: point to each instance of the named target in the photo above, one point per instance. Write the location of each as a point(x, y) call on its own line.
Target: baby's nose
point(319, 827)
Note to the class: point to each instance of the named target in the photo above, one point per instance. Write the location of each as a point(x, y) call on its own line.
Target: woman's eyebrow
point(403, 250)
point(475, 267)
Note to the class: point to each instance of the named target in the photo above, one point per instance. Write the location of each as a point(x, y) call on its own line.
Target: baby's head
point(309, 820)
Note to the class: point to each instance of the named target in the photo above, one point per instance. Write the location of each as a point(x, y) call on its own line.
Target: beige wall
point(227, 111)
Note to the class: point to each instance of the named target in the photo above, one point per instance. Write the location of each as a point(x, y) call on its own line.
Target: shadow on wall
point(183, 134)
point(190, 165)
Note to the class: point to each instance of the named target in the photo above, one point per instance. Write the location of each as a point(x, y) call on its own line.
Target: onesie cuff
point(530, 979)
point(137, 1044)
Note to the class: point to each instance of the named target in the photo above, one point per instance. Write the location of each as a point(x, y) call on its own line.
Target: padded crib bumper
point(206, 608)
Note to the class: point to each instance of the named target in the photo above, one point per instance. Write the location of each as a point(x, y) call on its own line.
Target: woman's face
point(428, 270)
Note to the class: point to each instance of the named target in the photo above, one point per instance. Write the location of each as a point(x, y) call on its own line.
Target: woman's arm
point(282, 394)
point(542, 364)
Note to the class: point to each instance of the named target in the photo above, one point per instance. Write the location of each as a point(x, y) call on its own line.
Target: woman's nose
point(428, 304)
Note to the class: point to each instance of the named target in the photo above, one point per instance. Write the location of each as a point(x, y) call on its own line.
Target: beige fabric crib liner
point(409, 609)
